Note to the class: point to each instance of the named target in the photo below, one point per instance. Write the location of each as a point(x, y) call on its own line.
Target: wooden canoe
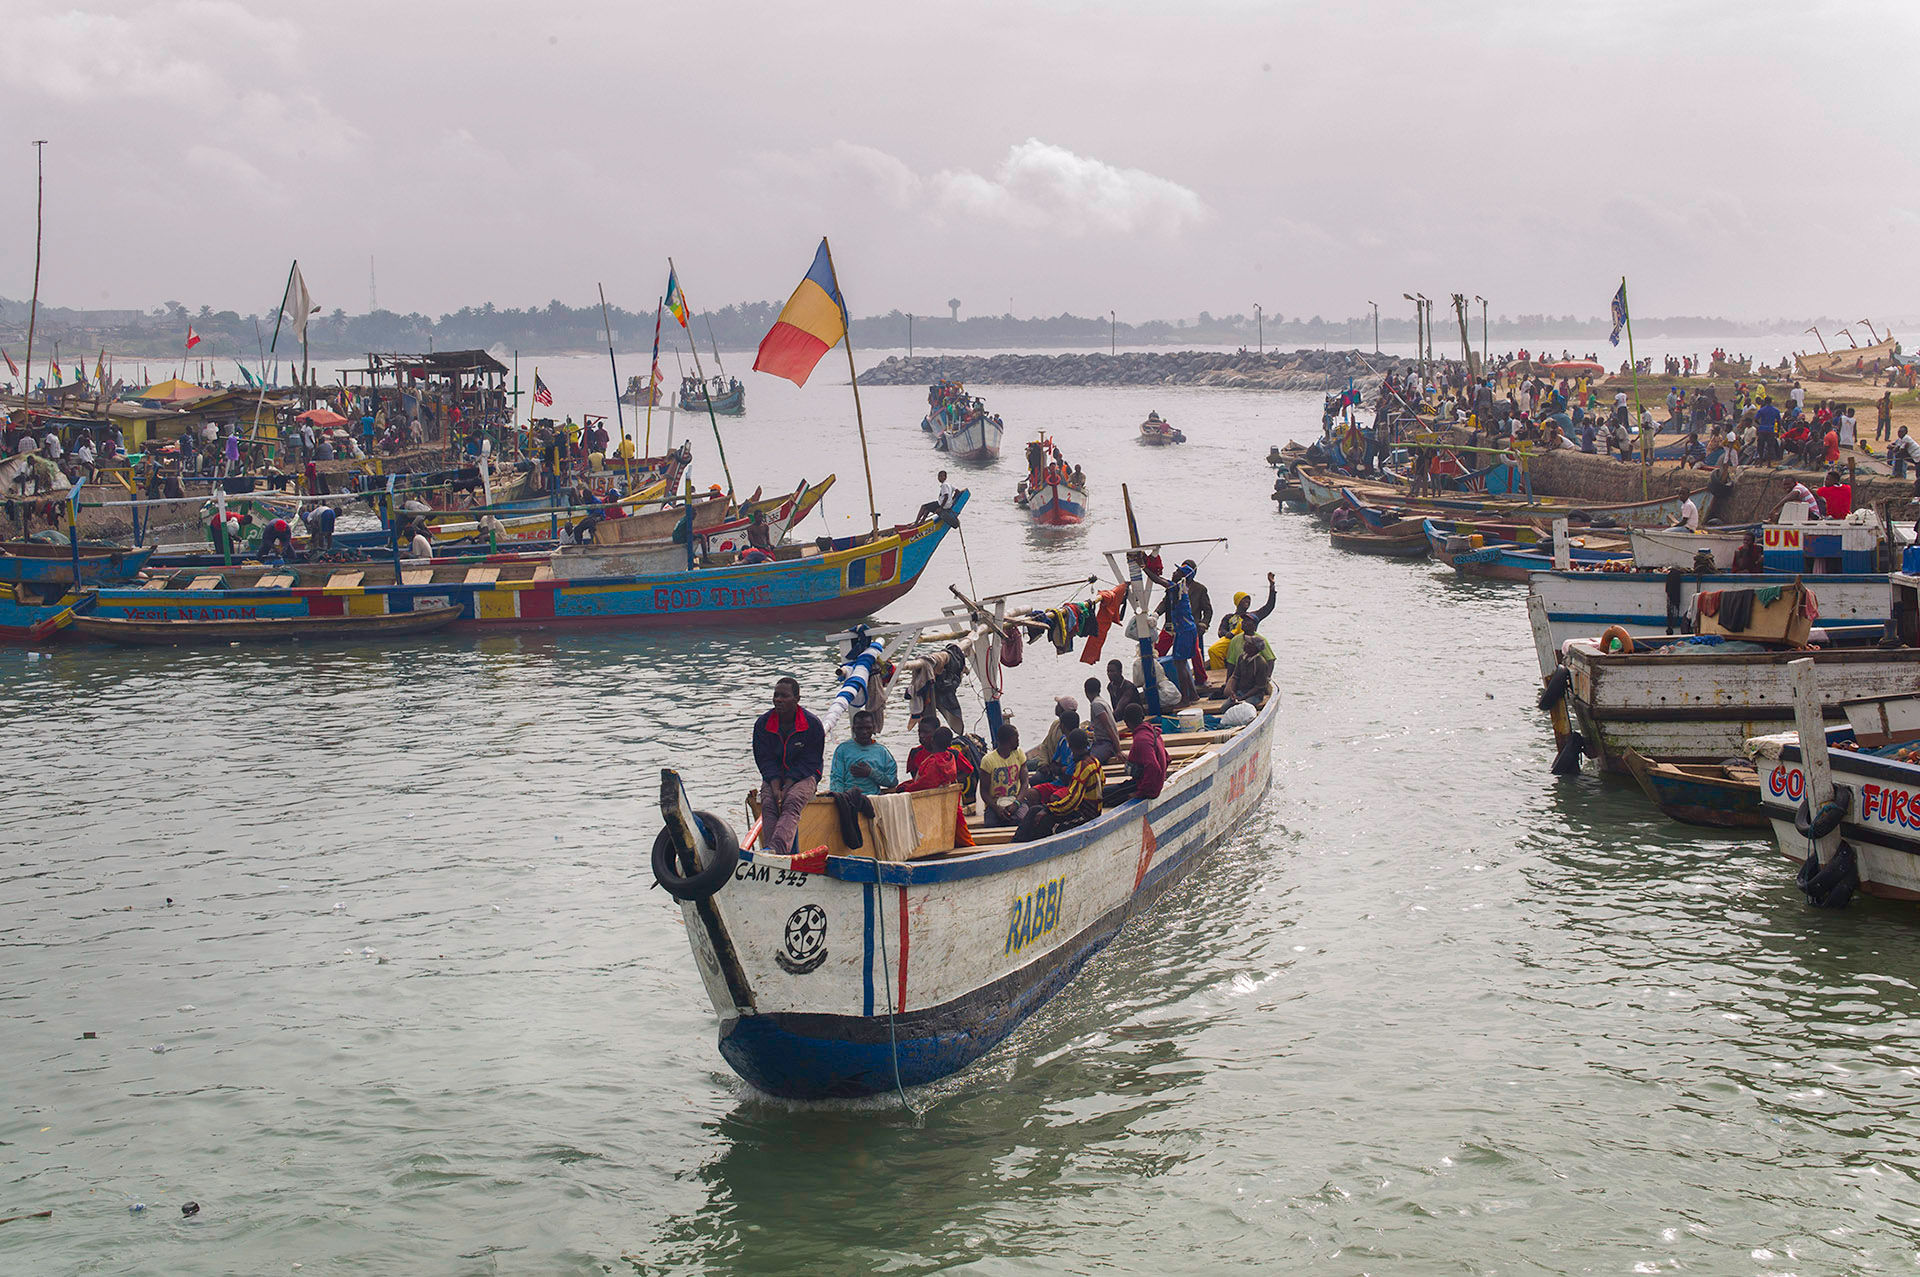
point(266, 629)
point(1404, 540)
point(1717, 795)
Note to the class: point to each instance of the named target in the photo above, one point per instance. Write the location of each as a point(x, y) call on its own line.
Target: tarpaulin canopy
point(174, 390)
point(322, 418)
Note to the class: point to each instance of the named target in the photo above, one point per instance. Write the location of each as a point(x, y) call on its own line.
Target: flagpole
point(33, 313)
point(619, 417)
point(694, 348)
point(280, 315)
point(859, 418)
point(1646, 443)
point(653, 375)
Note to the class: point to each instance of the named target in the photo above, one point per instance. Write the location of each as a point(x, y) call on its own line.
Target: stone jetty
point(1243, 370)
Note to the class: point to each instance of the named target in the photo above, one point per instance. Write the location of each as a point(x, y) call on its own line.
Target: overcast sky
point(1746, 158)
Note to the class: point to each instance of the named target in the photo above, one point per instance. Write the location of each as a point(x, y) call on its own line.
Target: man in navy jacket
point(788, 745)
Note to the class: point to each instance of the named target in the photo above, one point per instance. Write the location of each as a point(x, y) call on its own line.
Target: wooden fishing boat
point(1581, 602)
point(728, 400)
point(831, 579)
point(180, 629)
point(1406, 539)
point(30, 615)
point(1323, 491)
point(1050, 496)
point(1688, 703)
point(642, 392)
point(971, 438)
point(1158, 432)
point(1723, 795)
point(1678, 548)
point(42, 564)
point(1854, 364)
point(841, 972)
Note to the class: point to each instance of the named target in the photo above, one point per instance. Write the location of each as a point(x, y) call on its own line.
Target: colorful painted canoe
point(31, 616)
point(271, 629)
point(38, 563)
point(854, 577)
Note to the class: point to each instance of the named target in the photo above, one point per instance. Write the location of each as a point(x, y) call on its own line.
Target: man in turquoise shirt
point(861, 763)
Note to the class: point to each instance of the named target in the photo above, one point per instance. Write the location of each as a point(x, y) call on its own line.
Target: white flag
point(299, 302)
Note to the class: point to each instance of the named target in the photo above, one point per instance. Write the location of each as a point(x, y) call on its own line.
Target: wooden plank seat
point(416, 576)
point(275, 581)
point(345, 580)
point(211, 582)
point(482, 576)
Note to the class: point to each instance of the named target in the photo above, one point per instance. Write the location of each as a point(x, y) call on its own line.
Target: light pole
point(1484, 365)
point(1419, 333)
point(1260, 327)
point(1376, 326)
point(1113, 335)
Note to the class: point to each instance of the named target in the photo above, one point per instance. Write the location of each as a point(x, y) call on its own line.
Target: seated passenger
point(1250, 664)
point(862, 763)
point(1061, 807)
point(1146, 761)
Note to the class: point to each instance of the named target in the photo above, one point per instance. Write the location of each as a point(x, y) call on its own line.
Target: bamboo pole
point(33, 310)
point(859, 418)
point(693, 347)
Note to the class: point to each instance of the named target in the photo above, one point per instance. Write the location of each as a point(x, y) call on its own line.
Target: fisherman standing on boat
point(787, 746)
point(1185, 614)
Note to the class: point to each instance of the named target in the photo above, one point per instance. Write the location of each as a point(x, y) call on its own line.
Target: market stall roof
point(436, 363)
point(174, 390)
point(323, 418)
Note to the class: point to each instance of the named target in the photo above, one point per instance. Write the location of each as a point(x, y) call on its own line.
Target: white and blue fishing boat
point(846, 973)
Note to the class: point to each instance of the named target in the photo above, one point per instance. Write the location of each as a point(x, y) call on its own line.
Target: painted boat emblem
point(806, 944)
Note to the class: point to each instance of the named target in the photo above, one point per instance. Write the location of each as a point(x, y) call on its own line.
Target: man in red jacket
point(788, 747)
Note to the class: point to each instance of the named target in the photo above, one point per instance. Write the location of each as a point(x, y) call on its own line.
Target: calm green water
point(1432, 1011)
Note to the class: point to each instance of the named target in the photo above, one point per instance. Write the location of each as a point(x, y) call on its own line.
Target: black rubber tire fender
point(1555, 688)
point(715, 875)
point(1818, 824)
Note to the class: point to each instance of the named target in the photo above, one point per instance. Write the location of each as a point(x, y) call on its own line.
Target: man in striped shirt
point(1074, 803)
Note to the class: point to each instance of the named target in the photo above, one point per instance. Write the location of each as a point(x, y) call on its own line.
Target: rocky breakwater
point(1244, 370)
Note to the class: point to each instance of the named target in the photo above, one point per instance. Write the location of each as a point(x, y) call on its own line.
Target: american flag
point(541, 395)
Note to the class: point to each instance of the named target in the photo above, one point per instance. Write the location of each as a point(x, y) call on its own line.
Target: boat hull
point(1880, 826)
point(1698, 707)
point(54, 566)
point(1657, 550)
point(264, 629)
point(975, 440)
point(944, 957)
point(1056, 505)
point(850, 581)
point(731, 404)
point(1581, 604)
point(1716, 802)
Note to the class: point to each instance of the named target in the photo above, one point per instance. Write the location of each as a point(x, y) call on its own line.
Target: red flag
point(193, 338)
point(12, 367)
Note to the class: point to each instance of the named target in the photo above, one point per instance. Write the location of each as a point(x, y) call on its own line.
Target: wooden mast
point(33, 310)
point(846, 325)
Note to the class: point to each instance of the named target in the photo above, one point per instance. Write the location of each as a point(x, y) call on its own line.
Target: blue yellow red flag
point(813, 322)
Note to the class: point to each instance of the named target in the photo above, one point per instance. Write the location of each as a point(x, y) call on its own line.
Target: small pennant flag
point(656, 378)
point(193, 338)
point(676, 300)
point(1619, 313)
point(100, 368)
point(57, 374)
point(14, 368)
point(541, 395)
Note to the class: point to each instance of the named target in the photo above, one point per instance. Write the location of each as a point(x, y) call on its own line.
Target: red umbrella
point(322, 418)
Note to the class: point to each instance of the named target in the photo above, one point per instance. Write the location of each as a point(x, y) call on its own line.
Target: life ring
point(1556, 688)
point(699, 885)
point(1613, 632)
point(1818, 824)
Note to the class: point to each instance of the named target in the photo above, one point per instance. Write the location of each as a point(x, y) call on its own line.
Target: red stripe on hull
point(844, 609)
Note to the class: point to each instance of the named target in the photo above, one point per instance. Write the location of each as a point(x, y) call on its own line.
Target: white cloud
point(1044, 187)
point(1039, 187)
